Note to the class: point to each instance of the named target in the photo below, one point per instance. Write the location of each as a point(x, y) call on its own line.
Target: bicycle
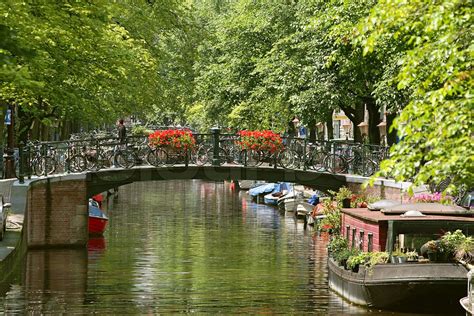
point(353, 159)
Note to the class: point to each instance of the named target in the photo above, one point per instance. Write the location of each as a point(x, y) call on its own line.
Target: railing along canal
point(74, 156)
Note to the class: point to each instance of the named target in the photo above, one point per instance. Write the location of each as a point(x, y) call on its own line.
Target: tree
point(88, 61)
point(434, 54)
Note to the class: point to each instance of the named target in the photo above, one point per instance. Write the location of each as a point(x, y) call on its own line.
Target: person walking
point(122, 132)
point(122, 137)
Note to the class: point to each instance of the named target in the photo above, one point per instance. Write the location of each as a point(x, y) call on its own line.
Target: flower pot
point(433, 256)
point(442, 257)
point(346, 203)
point(394, 259)
point(402, 259)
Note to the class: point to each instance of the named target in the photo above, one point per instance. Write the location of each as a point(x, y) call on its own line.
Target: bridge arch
point(57, 206)
point(104, 180)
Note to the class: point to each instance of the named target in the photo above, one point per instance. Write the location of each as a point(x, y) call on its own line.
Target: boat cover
point(313, 200)
point(96, 212)
point(265, 188)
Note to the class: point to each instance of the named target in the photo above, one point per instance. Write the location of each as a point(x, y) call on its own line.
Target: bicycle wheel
point(250, 157)
point(288, 159)
point(77, 163)
point(201, 157)
point(316, 161)
point(45, 165)
point(335, 164)
point(157, 157)
point(369, 168)
point(125, 159)
point(222, 154)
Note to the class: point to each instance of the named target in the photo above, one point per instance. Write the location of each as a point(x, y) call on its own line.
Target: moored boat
point(280, 190)
point(422, 284)
point(97, 219)
point(260, 191)
point(303, 209)
point(248, 184)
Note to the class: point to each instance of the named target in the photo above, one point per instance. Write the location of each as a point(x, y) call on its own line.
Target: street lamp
point(383, 132)
point(320, 128)
point(364, 130)
point(347, 126)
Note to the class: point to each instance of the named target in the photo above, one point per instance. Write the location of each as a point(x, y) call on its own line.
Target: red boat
point(97, 219)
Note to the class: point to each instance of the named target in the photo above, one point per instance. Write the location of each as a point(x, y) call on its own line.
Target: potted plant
point(338, 243)
point(376, 257)
point(412, 256)
point(465, 251)
point(343, 256)
point(356, 260)
point(431, 248)
point(178, 140)
point(344, 197)
point(265, 141)
point(398, 257)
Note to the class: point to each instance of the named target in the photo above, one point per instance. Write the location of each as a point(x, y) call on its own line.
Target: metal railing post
point(305, 164)
point(44, 160)
point(21, 162)
point(67, 162)
point(215, 145)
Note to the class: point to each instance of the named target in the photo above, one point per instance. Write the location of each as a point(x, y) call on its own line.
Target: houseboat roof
point(377, 216)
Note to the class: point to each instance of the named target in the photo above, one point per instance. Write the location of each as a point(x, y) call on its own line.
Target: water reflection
point(179, 247)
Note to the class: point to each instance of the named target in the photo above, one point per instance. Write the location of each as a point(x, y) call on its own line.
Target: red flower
point(260, 140)
point(172, 138)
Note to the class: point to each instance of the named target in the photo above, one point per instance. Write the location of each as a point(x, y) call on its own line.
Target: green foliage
point(332, 221)
point(431, 44)
point(357, 259)
point(341, 194)
point(92, 61)
point(140, 130)
point(337, 244)
point(343, 256)
point(452, 240)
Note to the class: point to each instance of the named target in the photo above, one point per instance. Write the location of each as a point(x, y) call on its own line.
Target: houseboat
point(421, 286)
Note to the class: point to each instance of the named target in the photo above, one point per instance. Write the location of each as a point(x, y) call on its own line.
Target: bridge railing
point(45, 158)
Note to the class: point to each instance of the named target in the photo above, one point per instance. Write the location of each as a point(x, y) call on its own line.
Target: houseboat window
point(370, 242)
point(353, 237)
point(361, 240)
point(348, 232)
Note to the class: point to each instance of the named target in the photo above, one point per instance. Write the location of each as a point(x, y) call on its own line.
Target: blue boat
point(261, 190)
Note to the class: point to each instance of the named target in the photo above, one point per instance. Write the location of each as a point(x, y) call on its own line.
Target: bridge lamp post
point(364, 130)
point(383, 132)
point(346, 125)
point(215, 131)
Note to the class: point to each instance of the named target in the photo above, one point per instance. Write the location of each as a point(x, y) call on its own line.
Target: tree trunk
point(391, 133)
point(312, 131)
point(374, 120)
point(356, 116)
point(330, 126)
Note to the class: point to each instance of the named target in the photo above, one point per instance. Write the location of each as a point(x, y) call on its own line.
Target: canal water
point(183, 247)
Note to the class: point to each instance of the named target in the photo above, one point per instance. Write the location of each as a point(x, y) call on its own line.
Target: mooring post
point(215, 145)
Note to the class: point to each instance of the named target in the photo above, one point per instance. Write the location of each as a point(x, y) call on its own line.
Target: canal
point(183, 247)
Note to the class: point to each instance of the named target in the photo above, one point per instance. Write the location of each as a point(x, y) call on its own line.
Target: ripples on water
point(183, 247)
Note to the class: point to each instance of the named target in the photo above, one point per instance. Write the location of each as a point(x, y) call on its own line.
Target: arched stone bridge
point(73, 171)
point(104, 180)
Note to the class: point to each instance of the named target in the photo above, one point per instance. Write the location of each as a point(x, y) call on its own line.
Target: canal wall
point(383, 188)
point(57, 212)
